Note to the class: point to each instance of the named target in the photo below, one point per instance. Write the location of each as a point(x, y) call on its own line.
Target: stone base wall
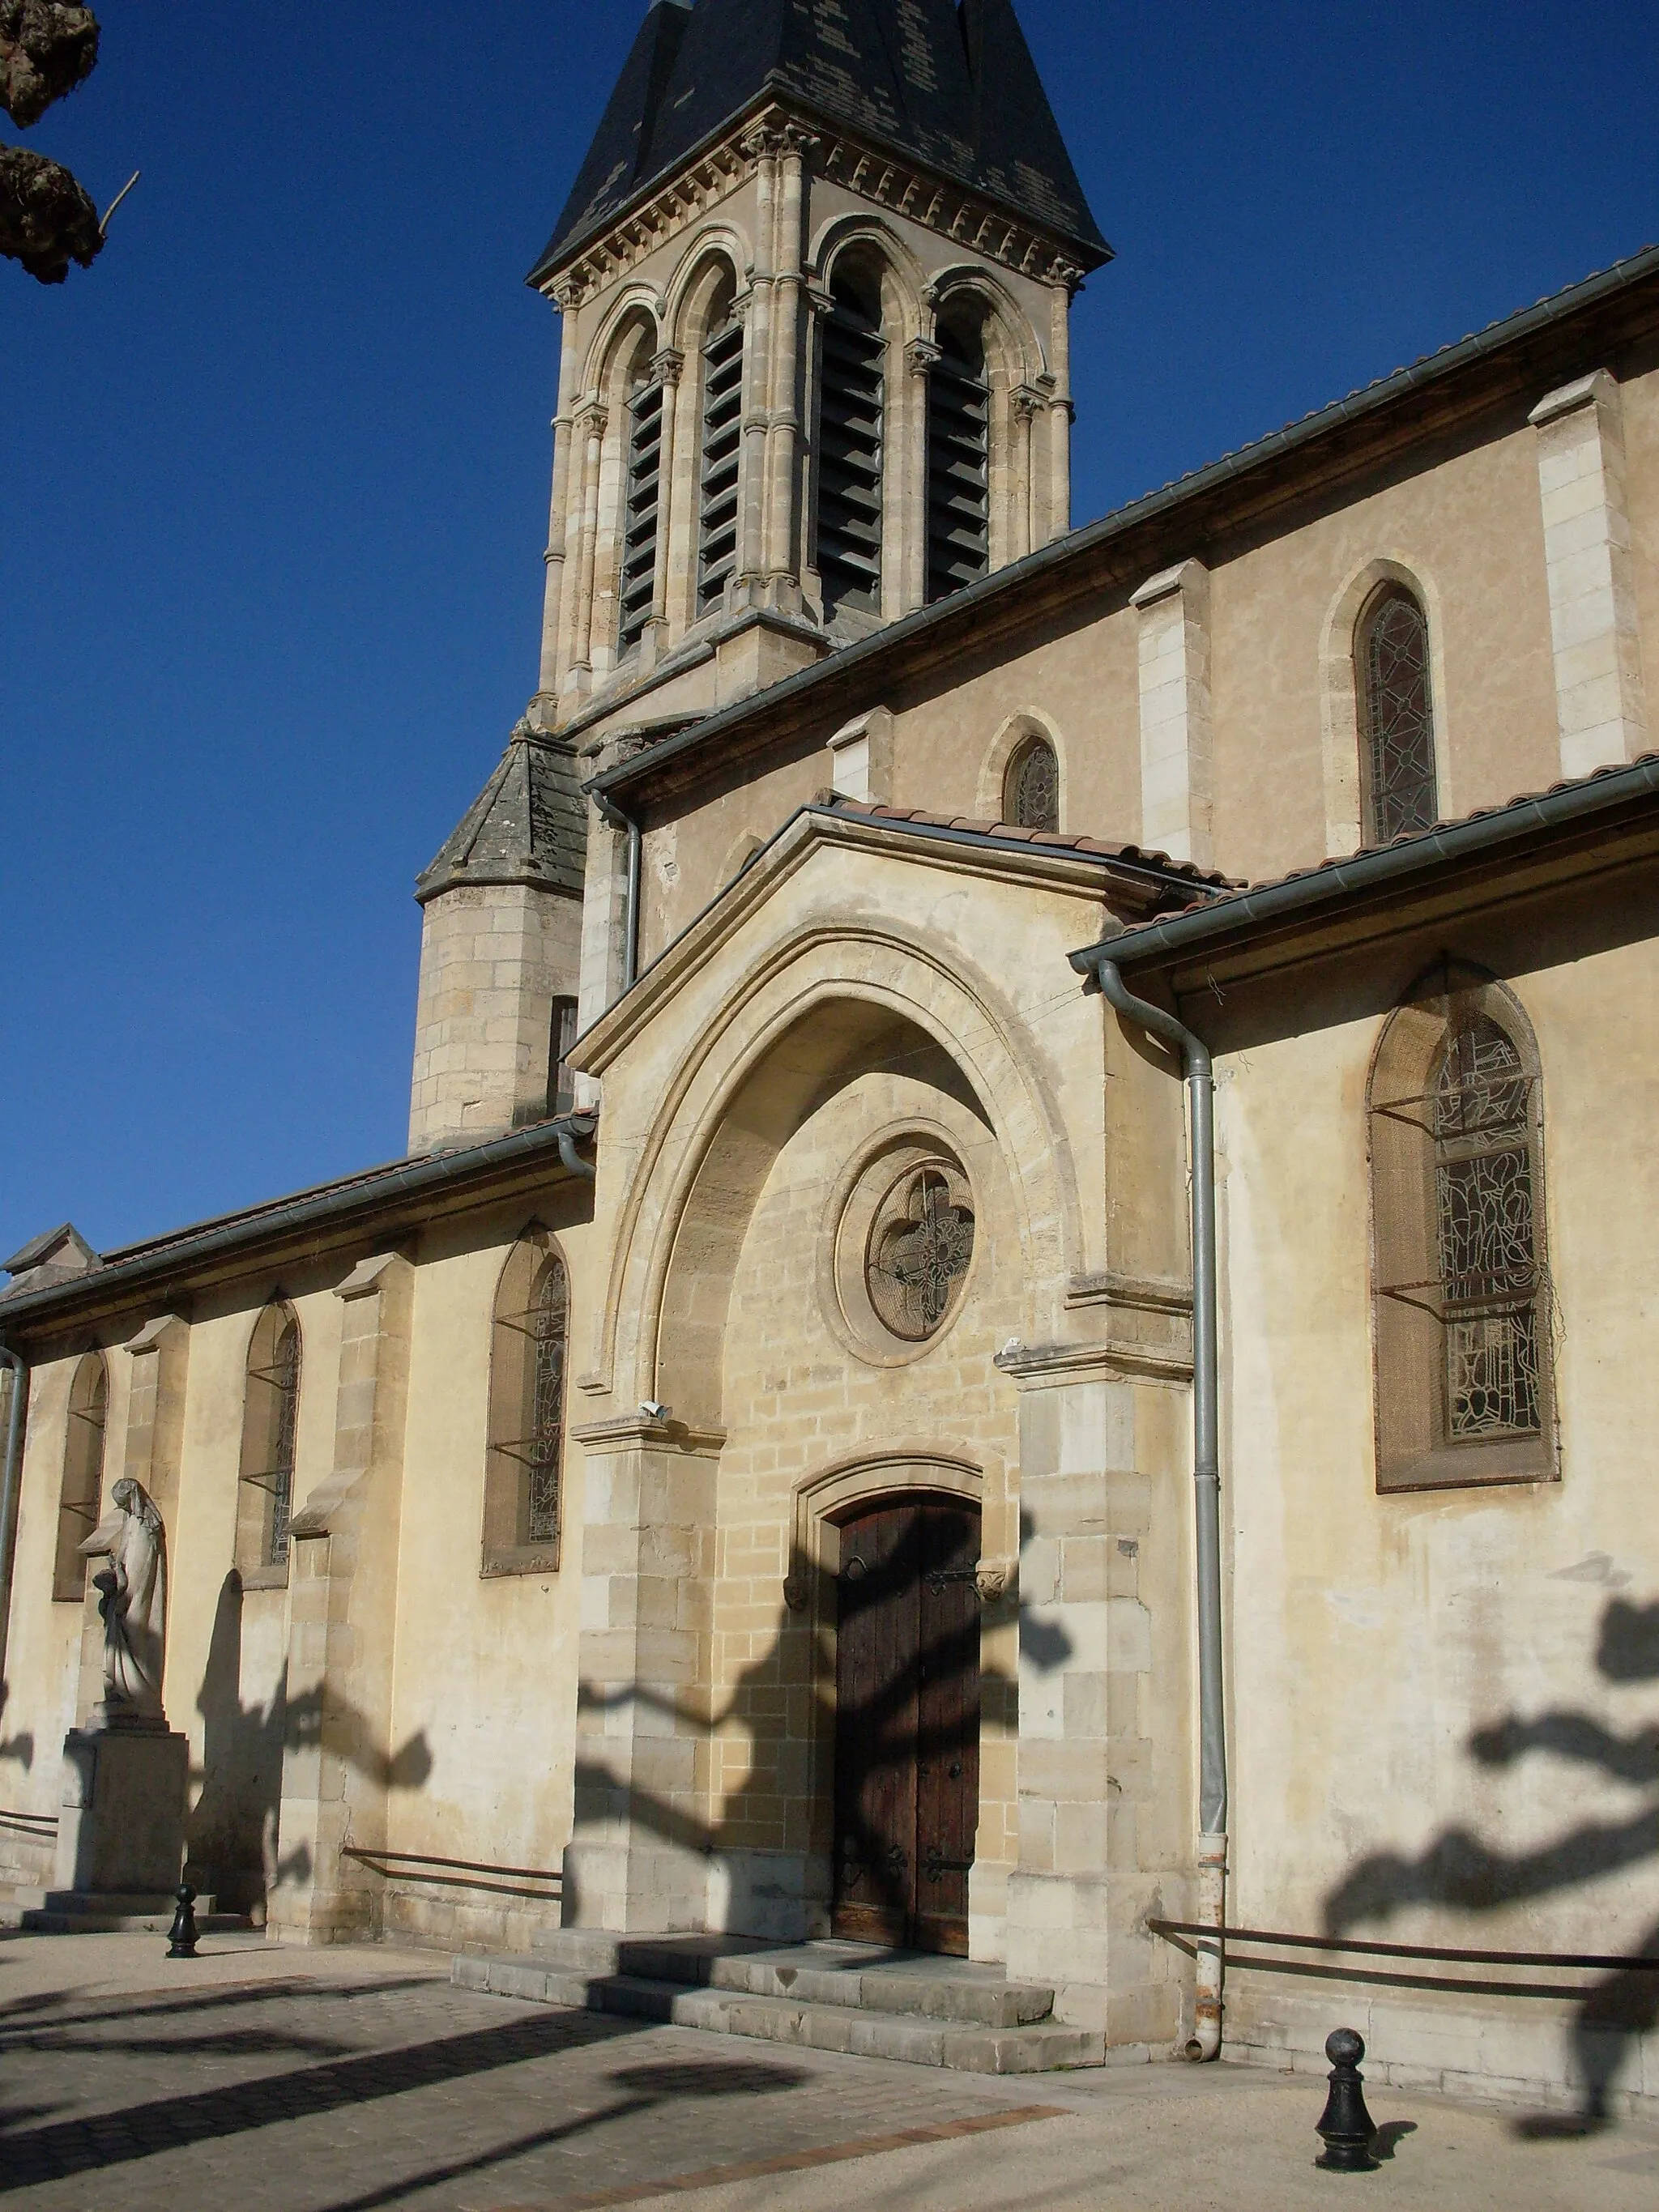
point(1515, 2051)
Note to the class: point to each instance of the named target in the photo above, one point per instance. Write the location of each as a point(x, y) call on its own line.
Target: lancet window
point(1463, 1319)
point(958, 460)
point(1031, 786)
point(851, 410)
point(80, 1498)
point(523, 1492)
point(637, 588)
point(270, 1417)
point(1396, 716)
point(718, 458)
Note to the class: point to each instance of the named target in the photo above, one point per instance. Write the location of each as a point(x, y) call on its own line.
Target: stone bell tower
point(815, 278)
point(816, 275)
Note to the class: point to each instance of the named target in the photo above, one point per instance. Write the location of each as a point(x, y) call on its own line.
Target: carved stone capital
point(666, 366)
point(593, 417)
point(921, 356)
point(1028, 402)
point(798, 1592)
point(992, 1579)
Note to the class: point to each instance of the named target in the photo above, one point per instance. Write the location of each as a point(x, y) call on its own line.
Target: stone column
point(338, 1767)
point(1103, 1692)
point(544, 705)
point(1175, 744)
point(762, 148)
point(592, 421)
point(639, 1859)
point(1600, 699)
point(666, 369)
point(1024, 401)
point(921, 357)
point(1064, 282)
point(783, 433)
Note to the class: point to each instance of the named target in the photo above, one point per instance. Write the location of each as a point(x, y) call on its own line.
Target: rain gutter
point(1234, 913)
point(317, 1210)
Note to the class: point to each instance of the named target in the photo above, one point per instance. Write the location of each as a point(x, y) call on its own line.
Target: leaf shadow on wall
point(232, 1835)
point(791, 1760)
point(1458, 1870)
point(19, 1749)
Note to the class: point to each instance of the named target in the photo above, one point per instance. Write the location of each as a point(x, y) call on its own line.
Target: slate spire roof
point(528, 825)
point(949, 84)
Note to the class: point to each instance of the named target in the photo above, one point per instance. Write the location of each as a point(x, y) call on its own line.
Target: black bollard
point(182, 1941)
point(1345, 2123)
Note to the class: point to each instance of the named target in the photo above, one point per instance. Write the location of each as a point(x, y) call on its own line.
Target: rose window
point(920, 1245)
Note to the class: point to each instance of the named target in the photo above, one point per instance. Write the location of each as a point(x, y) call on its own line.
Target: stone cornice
point(967, 218)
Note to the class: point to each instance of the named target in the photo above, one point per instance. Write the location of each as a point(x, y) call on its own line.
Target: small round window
point(921, 1244)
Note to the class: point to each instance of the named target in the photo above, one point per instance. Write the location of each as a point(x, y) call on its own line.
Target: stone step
point(823, 1996)
point(858, 1976)
point(76, 1912)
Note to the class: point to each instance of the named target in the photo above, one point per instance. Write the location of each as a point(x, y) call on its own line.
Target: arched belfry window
point(637, 592)
point(1462, 1344)
point(851, 415)
point(80, 1495)
point(524, 1480)
point(720, 449)
point(1396, 715)
point(958, 456)
point(270, 1417)
point(1031, 785)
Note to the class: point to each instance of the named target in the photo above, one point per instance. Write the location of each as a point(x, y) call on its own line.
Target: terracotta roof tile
point(1063, 841)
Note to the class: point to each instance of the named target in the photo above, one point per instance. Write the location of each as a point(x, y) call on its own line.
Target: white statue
point(133, 1602)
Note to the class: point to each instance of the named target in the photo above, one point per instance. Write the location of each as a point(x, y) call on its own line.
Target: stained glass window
point(920, 1250)
point(544, 1446)
point(1032, 786)
point(1487, 1234)
point(285, 1382)
point(1402, 792)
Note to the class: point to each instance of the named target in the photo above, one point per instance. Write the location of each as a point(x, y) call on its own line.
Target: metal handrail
point(1611, 1961)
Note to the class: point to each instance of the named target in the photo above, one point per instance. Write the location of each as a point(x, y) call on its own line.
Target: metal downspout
point(613, 814)
point(572, 1160)
point(20, 1391)
point(1207, 1484)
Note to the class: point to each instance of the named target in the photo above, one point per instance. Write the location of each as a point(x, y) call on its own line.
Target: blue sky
point(275, 487)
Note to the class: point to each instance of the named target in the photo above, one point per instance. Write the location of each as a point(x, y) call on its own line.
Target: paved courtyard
point(267, 2081)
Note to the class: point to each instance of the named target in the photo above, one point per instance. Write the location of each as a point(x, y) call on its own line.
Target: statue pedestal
point(121, 1830)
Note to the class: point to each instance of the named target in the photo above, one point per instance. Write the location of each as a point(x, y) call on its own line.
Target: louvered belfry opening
point(849, 474)
point(639, 563)
point(958, 461)
point(719, 454)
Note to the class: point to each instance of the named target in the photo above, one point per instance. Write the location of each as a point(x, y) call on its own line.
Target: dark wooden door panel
point(907, 1730)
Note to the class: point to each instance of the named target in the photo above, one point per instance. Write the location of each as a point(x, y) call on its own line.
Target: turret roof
point(528, 825)
point(949, 83)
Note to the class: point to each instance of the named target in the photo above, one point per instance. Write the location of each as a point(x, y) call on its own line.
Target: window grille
point(1461, 1287)
point(80, 1496)
point(920, 1246)
point(1402, 792)
point(560, 1078)
point(1488, 1261)
point(637, 592)
point(958, 466)
point(849, 476)
point(523, 1482)
point(285, 1384)
point(270, 1414)
point(1032, 786)
point(722, 443)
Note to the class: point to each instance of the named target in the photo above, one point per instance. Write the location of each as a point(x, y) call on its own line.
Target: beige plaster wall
point(1372, 1637)
point(1639, 403)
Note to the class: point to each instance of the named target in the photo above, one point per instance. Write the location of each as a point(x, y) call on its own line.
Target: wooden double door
point(907, 1724)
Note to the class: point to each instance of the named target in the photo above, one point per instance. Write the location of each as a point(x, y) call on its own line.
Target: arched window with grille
point(81, 1494)
point(1393, 683)
point(719, 448)
point(271, 1418)
point(852, 393)
point(958, 455)
point(1030, 785)
point(1462, 1345)
point(524, 1479)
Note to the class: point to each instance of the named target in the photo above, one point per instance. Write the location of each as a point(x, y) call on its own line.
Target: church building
point(1013, 1324)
